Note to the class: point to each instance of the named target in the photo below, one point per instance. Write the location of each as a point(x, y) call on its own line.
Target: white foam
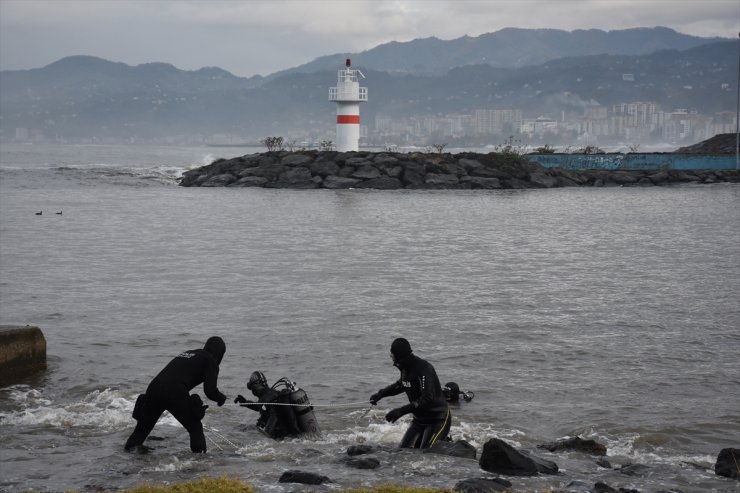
point(101, 409)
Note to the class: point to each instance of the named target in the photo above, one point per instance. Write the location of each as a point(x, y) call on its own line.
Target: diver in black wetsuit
point(432, 417)
point(452, 393)
point(274, 421)
point(169, 391)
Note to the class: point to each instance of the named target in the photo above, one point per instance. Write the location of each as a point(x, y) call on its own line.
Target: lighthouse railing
point(348, 93)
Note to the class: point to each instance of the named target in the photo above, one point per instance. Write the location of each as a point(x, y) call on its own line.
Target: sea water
point(611, 314)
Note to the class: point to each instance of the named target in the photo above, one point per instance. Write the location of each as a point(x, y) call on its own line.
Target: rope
point(214, 442)
point(222, 437)
point(360, 404)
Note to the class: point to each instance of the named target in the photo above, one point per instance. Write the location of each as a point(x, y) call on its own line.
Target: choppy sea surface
point(611, 314)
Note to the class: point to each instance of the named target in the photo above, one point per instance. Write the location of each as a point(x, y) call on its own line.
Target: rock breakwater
point(390, 171)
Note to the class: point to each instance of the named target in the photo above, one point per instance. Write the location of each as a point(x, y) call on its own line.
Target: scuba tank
point(301, 408)
point(304, 414)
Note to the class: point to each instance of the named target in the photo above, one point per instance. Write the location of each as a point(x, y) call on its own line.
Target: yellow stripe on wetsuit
point(435, 437)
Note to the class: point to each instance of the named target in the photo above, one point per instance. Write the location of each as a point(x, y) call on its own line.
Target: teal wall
point(636, 161)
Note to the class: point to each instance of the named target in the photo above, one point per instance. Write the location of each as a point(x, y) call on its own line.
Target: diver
point(452, 393)
point(290, 413)
point(170, 391)
point(431, 422)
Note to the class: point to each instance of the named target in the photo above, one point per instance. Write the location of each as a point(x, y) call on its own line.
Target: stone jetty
point(310, 169)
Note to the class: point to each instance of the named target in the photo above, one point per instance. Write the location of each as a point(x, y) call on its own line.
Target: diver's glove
point(375, 398)
point(240, 399)
point(394, 414)
point(221, 401)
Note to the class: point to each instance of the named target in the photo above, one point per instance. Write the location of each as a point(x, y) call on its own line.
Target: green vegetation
point(231, 485)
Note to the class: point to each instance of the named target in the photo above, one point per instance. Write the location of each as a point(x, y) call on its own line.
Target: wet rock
point(603, 488)
point(634, 469)
point(338, 182)
point(482, 485)
point(543, 180)
point(366, 172)
point(361, 463)
point(219, 180)
point(302, 477)
point(576, 443)
point(501, 458)
point(298, 178)
point(441, 179)
point(460, 448)
point(381, 183)
point(355, 450)
point(250, 181)
point(727, 463)
point(324, 168)
point(603, 463)
point(296, 160)
point(483, 183)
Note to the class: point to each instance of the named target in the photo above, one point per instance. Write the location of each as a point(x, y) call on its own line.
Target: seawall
point(22, 351)
point(309, 169)
point(637, 161)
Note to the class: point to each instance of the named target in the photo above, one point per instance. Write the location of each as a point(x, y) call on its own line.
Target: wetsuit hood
point(217, 347)
point(401, 349)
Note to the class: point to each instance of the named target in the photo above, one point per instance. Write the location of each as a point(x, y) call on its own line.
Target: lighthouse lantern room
point(348, 95)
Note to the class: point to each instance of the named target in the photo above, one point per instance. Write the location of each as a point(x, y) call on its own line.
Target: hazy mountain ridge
point(507, 48)
point(86, 96)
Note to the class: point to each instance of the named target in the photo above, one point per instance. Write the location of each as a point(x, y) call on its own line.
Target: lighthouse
point(348, 95)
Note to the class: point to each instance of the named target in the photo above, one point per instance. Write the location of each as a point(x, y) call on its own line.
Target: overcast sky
point(248, 37)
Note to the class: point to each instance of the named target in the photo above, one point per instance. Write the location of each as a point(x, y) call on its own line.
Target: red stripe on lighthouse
point(348, 119)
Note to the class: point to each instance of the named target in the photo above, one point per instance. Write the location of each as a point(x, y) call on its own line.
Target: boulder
point(469, 164)
point(302, 477)
point(381, 183)
point(219, 180)
point(577, 443)
point(296, 160)
point(361, 463)
point(250, 181)
point(441, 179)
point(336, 182)
point(355, 450)
point(728, 463)
point(366, 172)
point(501, 458)
point(412, 179)
point(385, 160)
point(268, 171)
point(357, 161)
point(298, 177)
point(460, 448)
point(634, 469)
point(543, 180)
point(482, 485)
point(480, 182)
point(324, 168)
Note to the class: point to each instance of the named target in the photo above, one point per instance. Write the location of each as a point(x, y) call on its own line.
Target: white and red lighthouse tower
point(348, 95)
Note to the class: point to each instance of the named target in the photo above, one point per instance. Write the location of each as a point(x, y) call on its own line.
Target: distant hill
point(719, 144)
point(82, 96)
point(507, 48)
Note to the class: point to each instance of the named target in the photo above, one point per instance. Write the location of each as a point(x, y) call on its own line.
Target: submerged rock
point(577, 443)
point(460, 448)
point(302, 477)
point(482, 485)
